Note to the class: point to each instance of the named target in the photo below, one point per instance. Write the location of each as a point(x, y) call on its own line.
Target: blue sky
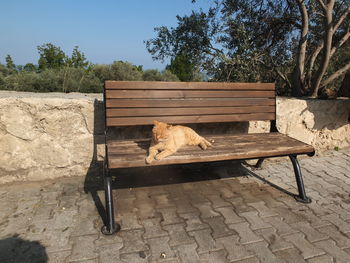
point(104, 30)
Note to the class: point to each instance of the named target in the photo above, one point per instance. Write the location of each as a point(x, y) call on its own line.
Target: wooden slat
point(228, 147)
point(159, 85)
point(129, 121)
point(176, 94)
point(205, 102)
point(186, 111)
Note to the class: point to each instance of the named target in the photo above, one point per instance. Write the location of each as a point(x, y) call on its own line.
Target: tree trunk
point(328, 9)
point(298, 81)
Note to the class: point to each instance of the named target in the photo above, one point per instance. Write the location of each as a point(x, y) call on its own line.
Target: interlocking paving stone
point(188, 253)
point(321, 259)
point(307, 249)
point(160, 249)
point(230, 215)
point(263, 253)
point(218, 256)
point(282, 227)
point(205, 241)
point(170, 216)
point(153, 228)
point(193, 221)
point(183, 205)
point(342, 240)
point(239, 205)
point(136, 257)
point(255, 221)
point(291, 255)
point(311, 234)
point(343, 213)
point(83, 248)
point(162, 201)
point(206, 210)
point(178, 235)
point(217, 201)
point(133, 241)
point(332, 249)
point(85, 226)
point(236, 251)
point(129, 221)
point(341, 224)
point(249, 260)
point(110, 252)
point(218, 226)
point(58, 257)
point(275, 241)
point(232, 219)
point(263, 210)
point(245, 233)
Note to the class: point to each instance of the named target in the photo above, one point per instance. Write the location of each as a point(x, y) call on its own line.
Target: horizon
point(116, 32)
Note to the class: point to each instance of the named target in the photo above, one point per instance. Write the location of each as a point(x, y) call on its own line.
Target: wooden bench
point(130, 103)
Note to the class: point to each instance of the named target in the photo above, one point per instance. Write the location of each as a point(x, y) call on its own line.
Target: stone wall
point(50, 135)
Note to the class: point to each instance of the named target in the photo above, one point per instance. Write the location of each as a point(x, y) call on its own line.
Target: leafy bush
point(53, 80)
point(119, 70)
point(155, 75)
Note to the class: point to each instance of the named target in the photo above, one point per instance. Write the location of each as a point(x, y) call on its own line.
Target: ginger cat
point(167, 139)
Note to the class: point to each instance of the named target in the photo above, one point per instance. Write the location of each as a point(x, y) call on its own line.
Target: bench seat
point(132, 153)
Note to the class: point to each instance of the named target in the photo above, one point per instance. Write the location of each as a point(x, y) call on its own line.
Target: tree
point(9, 63)
point(51, 56)
point(182, 67)
point(78, 59)
point(30, 67)
point(293, 41)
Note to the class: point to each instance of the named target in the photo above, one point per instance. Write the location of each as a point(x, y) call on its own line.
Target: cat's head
point(160, 131)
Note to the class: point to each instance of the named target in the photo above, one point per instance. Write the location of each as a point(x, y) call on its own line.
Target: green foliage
point(30, 67)
point(58, 73)
point(78, 59)
point(247, 41)
point(182, 67)
point(51, 57)
point(155, 75)
point(54, 80)
point(9, 63)
point(119, 70)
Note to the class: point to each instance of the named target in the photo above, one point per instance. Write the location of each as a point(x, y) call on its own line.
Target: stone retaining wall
point(50, 135)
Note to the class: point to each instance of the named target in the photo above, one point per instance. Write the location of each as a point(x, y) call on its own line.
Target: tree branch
point(279, 73)
point(341, 19)
point(322, 4)
point(340, 43)
point(336, 74)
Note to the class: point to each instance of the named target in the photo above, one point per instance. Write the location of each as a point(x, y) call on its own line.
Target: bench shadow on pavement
point(158, 175)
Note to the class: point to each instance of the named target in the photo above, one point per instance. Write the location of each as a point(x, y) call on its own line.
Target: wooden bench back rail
point(139, 103)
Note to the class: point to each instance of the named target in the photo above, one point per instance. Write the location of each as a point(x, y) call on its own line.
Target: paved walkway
point(168, 215)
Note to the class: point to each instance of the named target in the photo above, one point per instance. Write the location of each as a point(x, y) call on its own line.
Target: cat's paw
point(149, 159)
point(158, 157)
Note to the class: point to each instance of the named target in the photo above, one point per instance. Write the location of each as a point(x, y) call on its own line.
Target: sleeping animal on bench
point(168, 139)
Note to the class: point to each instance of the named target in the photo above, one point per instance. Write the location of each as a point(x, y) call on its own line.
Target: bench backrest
point(131, 103)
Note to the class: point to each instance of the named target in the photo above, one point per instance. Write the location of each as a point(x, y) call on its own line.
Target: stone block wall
point(50, 135)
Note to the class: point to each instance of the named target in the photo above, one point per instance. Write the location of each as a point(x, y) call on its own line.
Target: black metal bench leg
point(298, 177)
point(259, 163)
point(111, 227)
